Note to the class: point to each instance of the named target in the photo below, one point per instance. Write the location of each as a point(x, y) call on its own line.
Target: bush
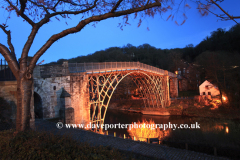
point(34, 145)
point(5, 115)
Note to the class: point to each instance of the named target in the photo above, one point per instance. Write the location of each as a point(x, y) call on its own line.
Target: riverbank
point(179, 107)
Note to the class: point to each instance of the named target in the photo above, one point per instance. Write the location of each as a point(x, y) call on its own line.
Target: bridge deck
point(114, 66)
point(151, 150)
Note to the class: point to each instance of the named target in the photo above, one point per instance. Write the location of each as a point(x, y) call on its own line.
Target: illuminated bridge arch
point(90, 87)
point(101, 80)
point(153, 87)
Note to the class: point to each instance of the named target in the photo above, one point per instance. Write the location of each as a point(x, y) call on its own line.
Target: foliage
point(220, 40)
point(34, 145)
point(45, 145)
point(5, 115)
point(144, 53)
point(222, 69)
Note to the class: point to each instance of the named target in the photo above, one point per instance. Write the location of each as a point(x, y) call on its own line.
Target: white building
point(207, 88)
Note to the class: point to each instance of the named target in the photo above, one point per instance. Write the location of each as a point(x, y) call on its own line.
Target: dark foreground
point(126, 146)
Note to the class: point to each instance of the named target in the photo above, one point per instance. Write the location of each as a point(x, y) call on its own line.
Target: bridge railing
point(114, 66)
point(5, 72)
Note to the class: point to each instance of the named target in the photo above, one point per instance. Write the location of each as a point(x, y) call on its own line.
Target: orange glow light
point(176, 72)
point(142, 133)
point(224, 98)
point(227, 130)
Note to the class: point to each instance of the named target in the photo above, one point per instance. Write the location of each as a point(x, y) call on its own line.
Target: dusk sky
point(162, 34)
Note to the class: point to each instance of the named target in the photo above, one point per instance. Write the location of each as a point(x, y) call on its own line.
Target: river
point(212, 131)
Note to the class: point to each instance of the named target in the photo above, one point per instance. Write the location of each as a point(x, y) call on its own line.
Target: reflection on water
point(141, 131)
point(216, 128)
point(227, 129)
point(211, 130)
point(116, 116)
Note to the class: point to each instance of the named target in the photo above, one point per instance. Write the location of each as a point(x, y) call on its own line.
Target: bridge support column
point(173, 87)
point(166, 89)
point(80, 98)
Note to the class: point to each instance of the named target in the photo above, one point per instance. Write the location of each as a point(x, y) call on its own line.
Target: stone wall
point(8, 91)
point(173, 87)
point(47, 71)
point(183, 84)
point(65, 97)
point(50, 90)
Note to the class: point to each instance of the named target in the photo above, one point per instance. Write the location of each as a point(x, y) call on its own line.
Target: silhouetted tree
point(39, 13)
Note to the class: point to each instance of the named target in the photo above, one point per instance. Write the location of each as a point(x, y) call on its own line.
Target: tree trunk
point(24, 97)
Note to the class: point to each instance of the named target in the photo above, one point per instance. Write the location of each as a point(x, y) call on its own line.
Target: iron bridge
point(103, 79)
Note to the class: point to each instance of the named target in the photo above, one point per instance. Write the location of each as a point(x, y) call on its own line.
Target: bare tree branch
point(80, 26)
point(47, 17)
point(65, 1)
point(148, 1)
point(12, 62)
point(21, 14)
point(74, 12)
point(23, 6)
point(38, 5)
point(222, 16)
point(231, 17)
point(221, 9)
point(116, 6)
point(54, 7)
point(70, 2)
point(28, 44)
point(8, 33)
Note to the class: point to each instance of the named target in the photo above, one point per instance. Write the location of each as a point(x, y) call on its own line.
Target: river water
point(212, 131)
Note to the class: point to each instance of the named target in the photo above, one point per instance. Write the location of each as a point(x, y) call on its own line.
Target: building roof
point(206, 82)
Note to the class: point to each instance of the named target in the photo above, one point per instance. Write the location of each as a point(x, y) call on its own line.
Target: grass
point(35, 145)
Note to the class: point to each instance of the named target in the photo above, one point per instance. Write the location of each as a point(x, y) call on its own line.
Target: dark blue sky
point(162, 34)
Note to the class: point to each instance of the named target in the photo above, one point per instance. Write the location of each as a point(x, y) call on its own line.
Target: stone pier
point(173, 87)
point(80, 98)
